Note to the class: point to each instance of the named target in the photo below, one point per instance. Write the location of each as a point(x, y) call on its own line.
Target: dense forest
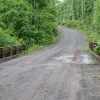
point(81, 14)
point(35, 21)
point(27, 22)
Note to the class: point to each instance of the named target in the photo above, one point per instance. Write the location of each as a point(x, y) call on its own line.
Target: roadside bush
point(7, 40)
point(32, 23)
point(82, 14)
point(73, 23)
point(97, 49)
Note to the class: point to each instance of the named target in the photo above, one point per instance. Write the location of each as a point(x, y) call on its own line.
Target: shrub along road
point(47, 75)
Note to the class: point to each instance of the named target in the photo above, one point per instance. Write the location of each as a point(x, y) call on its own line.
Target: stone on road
point(58, 72)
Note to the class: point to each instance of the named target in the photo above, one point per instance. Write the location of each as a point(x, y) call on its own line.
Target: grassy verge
point(36, 47)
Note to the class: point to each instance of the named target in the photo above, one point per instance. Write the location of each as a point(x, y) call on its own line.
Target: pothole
point(81, 59)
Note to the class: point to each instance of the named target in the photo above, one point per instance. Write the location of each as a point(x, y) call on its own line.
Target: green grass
point(36, 47)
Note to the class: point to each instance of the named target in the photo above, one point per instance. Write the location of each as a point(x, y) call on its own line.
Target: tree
point(96, 16)
point(33, 21)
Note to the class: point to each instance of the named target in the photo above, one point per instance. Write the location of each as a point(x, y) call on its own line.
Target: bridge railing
point(12, 51)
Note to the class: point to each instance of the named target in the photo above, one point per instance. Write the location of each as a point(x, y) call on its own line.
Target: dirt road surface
point(47, 75)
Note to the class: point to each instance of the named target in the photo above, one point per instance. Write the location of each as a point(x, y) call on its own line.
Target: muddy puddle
point(82, 59)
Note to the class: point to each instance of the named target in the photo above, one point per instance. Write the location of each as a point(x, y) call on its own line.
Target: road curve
point(40, 76)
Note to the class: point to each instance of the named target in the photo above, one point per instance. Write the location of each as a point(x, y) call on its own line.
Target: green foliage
point(7, 40)
point(80, 10)
point(81, 14)
point(33, 21)
point(93, 37)
point(73, 23)
point(96, 17)
point(14, 16)
point(97, 49)
point(34, 48)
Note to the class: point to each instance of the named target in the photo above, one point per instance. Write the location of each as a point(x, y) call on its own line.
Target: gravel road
point(41, 76)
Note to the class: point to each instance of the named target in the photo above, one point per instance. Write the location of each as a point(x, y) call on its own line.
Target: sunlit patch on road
point(81, 59)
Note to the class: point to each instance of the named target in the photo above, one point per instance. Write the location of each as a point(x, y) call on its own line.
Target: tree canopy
point(81, 14)
point(35, 21)
point(27, 21)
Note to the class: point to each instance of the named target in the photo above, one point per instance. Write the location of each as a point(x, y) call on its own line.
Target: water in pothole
point(81, 59)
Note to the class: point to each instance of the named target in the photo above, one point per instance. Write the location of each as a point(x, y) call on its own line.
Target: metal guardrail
point(11, 51)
